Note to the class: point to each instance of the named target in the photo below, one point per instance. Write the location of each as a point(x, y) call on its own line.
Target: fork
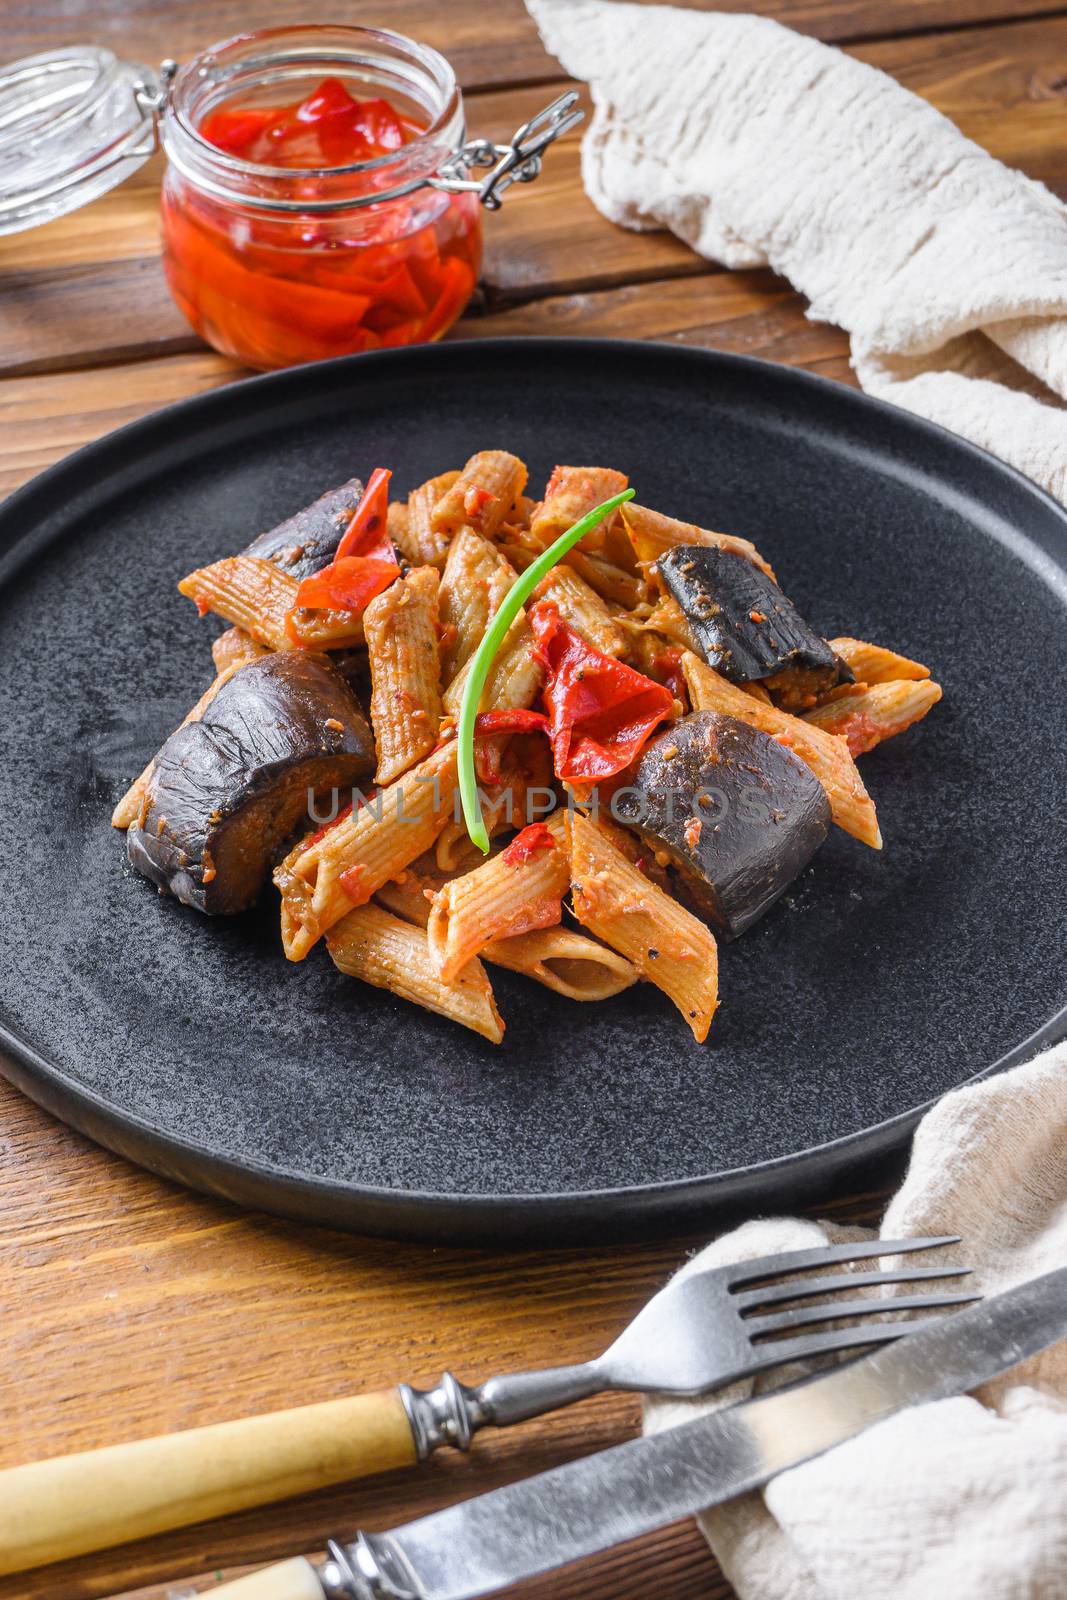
point(702, 1331)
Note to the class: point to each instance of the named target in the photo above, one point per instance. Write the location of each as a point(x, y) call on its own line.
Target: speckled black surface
point(879, 982)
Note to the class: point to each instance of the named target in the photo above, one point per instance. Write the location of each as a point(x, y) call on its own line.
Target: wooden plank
point(43, 418)
point(88, 287)
point(122, 1294)
point(487, 47)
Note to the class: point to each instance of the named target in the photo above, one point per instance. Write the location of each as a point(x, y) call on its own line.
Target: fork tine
point(753, 1299)
point(748, 1272)
point(759, 1327)
point(777, 1352)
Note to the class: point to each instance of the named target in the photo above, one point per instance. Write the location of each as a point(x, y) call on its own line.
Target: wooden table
point(129, 1306)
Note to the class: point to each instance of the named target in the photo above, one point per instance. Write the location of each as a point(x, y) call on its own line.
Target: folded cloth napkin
point(759, 147)
point(964, 1497)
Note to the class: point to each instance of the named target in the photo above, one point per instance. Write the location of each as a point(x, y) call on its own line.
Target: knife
point(606, 1499)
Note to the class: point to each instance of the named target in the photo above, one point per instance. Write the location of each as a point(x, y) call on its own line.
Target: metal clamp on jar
point(320, 196)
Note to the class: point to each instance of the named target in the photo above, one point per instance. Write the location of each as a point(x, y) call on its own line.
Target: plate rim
point(628, 1211)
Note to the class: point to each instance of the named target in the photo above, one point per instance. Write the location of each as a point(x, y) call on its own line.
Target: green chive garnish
point(485, 655)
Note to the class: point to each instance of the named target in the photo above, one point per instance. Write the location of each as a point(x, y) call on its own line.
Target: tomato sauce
point(272, 287)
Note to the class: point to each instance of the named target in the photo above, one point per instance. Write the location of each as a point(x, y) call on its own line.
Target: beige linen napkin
point(763, 148)
point(965, 1499)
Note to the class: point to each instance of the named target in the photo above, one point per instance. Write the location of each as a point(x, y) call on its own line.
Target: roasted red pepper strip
point(366, 534)
point(347, 585)
point(600, 712)
point(365, 562)
point(514, 721)
point(524, 845)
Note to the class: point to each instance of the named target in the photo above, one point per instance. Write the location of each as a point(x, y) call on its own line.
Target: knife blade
point(539, 1523)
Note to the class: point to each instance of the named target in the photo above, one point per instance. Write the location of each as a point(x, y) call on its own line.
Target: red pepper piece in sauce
point(525, 844)
point(349, 584)
point(600, 712)
point(513, 721)
point(366, 534)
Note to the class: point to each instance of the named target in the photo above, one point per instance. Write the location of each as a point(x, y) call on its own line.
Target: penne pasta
point(582, 607)
point(345, 863)
point(866, 714)
point(381, 950)
point(668, 617)
point(249, 592)
point(509, 894)
point(570, 494)
point(476, 579)
point(420, 543)
point(233, 648)
point(664, 942)
point(128, 811)
point(567, 962)
point(397, 520)
point(402, 647)
point(827, 756)
point(871, 664)
point(651, 533)
point(482, 496)
point(611, 582)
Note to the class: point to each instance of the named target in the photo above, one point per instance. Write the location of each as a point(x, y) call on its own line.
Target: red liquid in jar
point(274, 289)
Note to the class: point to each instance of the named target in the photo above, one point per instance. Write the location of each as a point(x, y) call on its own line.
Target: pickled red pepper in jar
point(277, 286)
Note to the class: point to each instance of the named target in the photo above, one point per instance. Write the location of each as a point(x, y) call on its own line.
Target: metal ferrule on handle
point(451, 1414)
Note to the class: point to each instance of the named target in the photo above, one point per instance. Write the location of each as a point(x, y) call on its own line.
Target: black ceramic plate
point(881, 982)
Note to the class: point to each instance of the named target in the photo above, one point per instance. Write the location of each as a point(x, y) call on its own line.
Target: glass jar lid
point(73, 124)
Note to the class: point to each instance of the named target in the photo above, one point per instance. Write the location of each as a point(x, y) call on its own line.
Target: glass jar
point(277, 264)
point(280, 264)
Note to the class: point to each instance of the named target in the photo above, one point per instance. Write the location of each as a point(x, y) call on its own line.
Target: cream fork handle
point(50, 1510)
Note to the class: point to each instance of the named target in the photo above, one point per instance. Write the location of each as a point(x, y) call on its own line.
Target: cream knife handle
point(64, 1507)
point(288, 1580)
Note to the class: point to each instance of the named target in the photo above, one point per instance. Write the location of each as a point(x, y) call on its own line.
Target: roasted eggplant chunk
point(738, 815)
point(227, 792)
point(746, 627)
point(307, 542)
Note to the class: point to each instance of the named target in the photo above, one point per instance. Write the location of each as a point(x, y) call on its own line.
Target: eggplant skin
point(227, 792)
point(738, 815)
point(307, 542)
point(746, 627)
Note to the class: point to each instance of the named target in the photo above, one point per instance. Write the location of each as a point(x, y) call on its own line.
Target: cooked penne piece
point(651, 533)
point(396, 523)
point(583, 608)
point(128, 810)
point(826, 755)
point(420, 543)
point(570, 494)
point(380, 949)
point(514, 798)
point(865, 714)
point(613, 583)
point(233, 648)
point(482, 496)
point(514, 678)
point(872, 664)
point(476, 579)
point(405, 702)
point(569, 963)
point(663, 941)
point(521, 512)
point(668, 617)
point(345, 863)
point(251, 593)
point(510, 894)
